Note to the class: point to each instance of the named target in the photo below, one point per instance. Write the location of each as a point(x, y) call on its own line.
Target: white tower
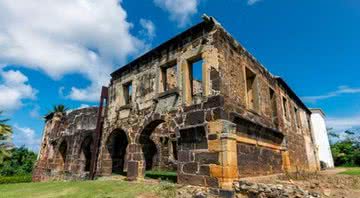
point(321, 137)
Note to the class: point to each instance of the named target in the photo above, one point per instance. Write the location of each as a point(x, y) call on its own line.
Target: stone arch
point(116, 146)
point(86, 151)
point(61, 155)
point(149, 148)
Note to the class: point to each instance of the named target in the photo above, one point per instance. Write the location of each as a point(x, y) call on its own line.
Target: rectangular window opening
point(127, 93)
point(168, 77)
point(250, 89)
point(196, 77)
point(273, 105)
point(296, 117)
point(285, 107)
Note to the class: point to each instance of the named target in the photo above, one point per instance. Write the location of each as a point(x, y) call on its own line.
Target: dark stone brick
point(132, 172)
point(214, 101)
point(190, 168)
point(219, 113)
point(212, 182)
point(179, 120)
point(212, 137)
point(208, 116)
point(204, 170)
point(193, 118)
point(184, 156)
point(191, 180)
point(207, 158)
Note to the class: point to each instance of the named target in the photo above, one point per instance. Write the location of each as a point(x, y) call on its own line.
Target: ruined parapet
point(66, 145)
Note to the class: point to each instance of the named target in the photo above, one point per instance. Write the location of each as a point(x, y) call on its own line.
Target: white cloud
point(340, 91)
point(179, 10)
point(149, 28)
point(252, 2)
point(27, 137)
point(83, 106)
point(14, 89)
point(340, 124)
point(89, 37)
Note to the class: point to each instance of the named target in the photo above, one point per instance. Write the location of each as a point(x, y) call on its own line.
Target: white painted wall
point(321, 138)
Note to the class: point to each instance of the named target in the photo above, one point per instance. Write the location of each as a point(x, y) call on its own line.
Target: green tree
point(5, 134)
point(59, 109)
point(346, 151)
point(21, 162)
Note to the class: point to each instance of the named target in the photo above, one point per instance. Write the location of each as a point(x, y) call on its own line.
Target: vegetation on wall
point(346, 150)
point(59, 109)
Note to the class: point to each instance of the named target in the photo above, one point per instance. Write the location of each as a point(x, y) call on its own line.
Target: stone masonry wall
point(231, 123)
point(65, 147)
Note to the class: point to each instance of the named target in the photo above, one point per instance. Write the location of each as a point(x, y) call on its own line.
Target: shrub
point(21, 162)
point(15, 179)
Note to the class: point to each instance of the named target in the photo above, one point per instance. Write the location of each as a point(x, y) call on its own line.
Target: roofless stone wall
point(200, 105)
point(66, 147)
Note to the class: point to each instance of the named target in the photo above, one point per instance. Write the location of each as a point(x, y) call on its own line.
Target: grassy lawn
point(86, 189)
point(352, 171)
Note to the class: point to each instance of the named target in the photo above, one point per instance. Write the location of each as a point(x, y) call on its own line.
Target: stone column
point(136, 163)
point(222, 138)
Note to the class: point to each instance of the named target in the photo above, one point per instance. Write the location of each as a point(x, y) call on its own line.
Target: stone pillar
point(136, 163)
point(286, 161)
point(222, 138)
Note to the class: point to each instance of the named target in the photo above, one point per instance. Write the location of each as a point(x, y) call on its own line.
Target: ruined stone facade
point(66, 146)
point(198, 104)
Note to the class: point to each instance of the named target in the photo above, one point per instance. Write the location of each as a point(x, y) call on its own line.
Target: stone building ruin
point(198, 104)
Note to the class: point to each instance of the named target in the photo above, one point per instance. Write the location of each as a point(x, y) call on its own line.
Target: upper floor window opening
point(127, 93)
point(285, 107)
point(251, 89)
point(196, 77)
point(273, 104)
point(168, 77)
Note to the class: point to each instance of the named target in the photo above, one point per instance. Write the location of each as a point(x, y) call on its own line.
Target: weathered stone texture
point(212, 131)
point(66, 146)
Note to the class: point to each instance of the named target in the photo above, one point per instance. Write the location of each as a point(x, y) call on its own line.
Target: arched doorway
point(61, 156)
point(86, 153)
point(116, 146)
point(149, 148)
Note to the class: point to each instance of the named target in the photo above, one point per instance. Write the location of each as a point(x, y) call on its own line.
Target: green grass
point(79, 189)
point(352, 171)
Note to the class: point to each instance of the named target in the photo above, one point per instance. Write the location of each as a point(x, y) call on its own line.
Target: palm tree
point(5, 133)
point(59, 110)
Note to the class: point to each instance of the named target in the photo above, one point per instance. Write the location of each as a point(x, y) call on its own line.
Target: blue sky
point(63, 52)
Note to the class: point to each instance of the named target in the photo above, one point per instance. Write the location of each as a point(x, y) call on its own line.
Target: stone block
point(211, 182)
point(207, 158)
point(184, 156)
point(196, 117)
point(204, 170)
point(190, 168)
point(187, 179)
point(214, 101)
point(133, 170)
